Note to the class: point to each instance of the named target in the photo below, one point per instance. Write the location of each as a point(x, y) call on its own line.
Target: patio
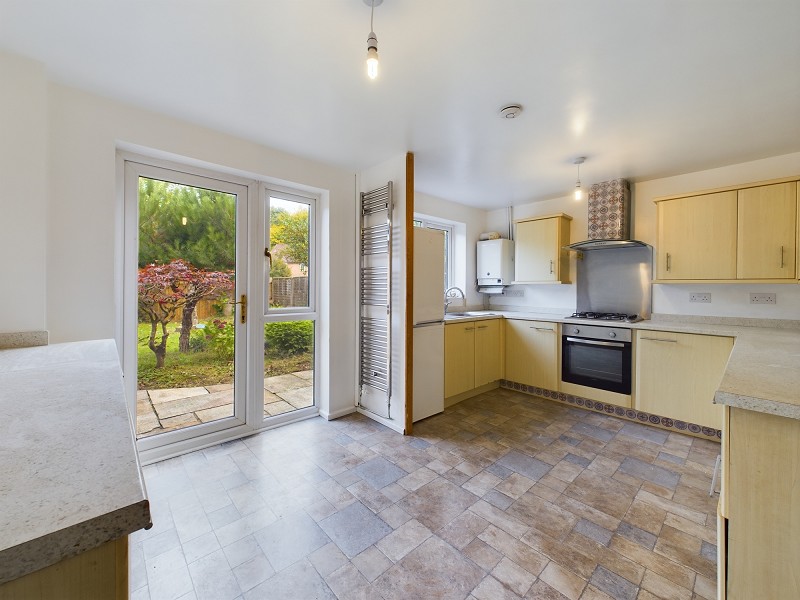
point(158, 411)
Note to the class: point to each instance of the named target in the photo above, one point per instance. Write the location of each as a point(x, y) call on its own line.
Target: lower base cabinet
point(678, 373)
point(762, 499)
point(532, 353)
point(97, 574)
point(473, 355)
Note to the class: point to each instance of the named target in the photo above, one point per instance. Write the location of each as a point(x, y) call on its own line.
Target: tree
point(290, 229)
point(279, 268)
point(166, 289)
point(181, 221)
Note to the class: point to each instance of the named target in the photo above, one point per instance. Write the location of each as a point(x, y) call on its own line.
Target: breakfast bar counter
point(70, 479)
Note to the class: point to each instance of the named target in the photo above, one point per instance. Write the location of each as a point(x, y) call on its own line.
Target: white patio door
point(219, 305)
point(185, 305)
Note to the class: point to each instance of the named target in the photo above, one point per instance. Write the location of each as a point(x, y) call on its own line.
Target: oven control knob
point(576, 331)
point(612, 334)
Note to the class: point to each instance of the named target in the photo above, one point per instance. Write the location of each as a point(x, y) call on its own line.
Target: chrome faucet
point(451, 294)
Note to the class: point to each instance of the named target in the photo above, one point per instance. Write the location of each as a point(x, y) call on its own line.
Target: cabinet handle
point(469, 329)
point(669, 261)
point(659, 340)
point(541, 328)
point(781, 257)
point(551, 267)
point(483, 327)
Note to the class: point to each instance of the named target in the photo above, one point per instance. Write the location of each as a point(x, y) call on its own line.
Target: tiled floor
point(163, 410)
point(503, 496)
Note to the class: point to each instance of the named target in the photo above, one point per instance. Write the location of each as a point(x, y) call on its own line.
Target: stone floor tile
point(242, 550)
point(252, 572)
point(290, 539)
point(437, 503)
point(372, 563)
point(420, 574)
point(327, 559)
point(523, 554)
point(170, 585)
point(482, 554)
point(521, 463)
point(594, 531)
point(200, 546)
point(512, 576)
point(379, 472)
point(394, 516)
point(565, 582)
point(658, 475)
point(403, 540)
point(213, 578)
point(170, 394)
point(491, 589)
point(540, 590)
point(298, 582)
point(615, 586)
point(348, 582)
point(299, 397)
point(354, 529)
point(415, 480)
point(514, 485)
point(664, 588)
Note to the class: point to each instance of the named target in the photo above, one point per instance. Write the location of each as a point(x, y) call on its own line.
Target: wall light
point(578, 191)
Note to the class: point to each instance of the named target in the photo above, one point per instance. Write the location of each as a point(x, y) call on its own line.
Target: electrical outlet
point(696, 297)
point(513, 293)
point(762, 299)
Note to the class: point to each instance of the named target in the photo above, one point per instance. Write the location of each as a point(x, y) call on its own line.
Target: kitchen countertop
point(763, 371)
point(70, 478)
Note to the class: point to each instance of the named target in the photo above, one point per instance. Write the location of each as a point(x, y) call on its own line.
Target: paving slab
point(167, 395)
point(281, 383)
point(299, 397)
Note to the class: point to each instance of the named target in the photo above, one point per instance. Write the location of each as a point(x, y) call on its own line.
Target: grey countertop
point(70, 479)
point(763, 371)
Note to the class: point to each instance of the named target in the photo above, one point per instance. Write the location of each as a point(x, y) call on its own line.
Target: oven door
point(597, 363)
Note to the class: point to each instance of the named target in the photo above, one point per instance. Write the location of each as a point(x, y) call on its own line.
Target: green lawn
point(200, 368)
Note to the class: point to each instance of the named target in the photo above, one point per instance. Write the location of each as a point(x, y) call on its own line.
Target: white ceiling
point(643, 88)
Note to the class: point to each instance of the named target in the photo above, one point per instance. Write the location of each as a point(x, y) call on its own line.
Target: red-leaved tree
point(166, 290)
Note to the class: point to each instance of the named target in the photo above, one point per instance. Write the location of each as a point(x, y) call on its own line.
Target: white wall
point(84, 214)
point(393, 170)
point(469, 224)
point(23, 194)
point(727, 299)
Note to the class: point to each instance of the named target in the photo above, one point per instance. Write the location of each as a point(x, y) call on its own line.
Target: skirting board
point(617, 411)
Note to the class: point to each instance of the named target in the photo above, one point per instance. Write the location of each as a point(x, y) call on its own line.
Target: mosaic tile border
point(617, 411)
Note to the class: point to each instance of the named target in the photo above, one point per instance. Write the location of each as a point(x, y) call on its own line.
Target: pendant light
point(372, 42)
point(578, 191)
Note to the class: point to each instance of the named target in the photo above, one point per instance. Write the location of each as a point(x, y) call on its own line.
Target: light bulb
point(372, 63)
point(578, 191)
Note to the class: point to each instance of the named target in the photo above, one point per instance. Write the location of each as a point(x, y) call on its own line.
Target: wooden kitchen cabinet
point(762, 476)
point(473, 355)
point(532, 353)
point(678, 373)
point(459, 358)
point(488, 357)
point(767, 230)
point(697, 237)
point(539, 255)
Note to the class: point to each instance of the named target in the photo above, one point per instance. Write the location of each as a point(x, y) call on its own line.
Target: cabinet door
point(678, 373)
point(532, 353)
point(767, 228)
point(488, 351)
point(459, 358)
point(536, 257)
point(697, 237)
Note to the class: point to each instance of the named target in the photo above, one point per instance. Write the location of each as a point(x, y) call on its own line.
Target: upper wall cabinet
point(767, 232)
point(746, 233)
point(539, 255)
point(697, 237)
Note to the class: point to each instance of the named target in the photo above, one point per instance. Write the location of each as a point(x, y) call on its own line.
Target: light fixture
point(372, 41)
point(578, 191)
point(510, 111)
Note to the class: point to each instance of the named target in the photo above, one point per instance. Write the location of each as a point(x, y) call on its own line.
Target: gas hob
point(605, 316)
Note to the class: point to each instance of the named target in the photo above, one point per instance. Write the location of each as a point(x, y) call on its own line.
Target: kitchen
point(59, 129)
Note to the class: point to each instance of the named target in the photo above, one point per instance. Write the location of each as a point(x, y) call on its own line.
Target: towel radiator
point(375, 302)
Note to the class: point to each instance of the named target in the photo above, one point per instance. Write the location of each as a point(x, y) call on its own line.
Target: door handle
point(781, 257)
point(669, 262)
point(551, 267)
point(243, 303)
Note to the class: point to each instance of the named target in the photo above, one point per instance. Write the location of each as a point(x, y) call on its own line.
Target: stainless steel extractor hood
point(609, 217)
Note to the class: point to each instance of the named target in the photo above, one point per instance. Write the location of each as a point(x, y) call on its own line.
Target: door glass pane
point(289, 237)
point(186, 283)
point(288, 366)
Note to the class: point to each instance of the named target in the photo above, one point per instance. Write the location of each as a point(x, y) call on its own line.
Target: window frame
point(449, 229)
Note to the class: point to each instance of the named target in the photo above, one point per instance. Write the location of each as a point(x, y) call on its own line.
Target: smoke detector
point(512, 111)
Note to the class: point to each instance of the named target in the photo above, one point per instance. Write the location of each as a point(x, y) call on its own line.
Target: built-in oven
point(597, 357)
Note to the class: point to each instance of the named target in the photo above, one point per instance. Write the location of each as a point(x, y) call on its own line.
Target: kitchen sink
point(470, 313)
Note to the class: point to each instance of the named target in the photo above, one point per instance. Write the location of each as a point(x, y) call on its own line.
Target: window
point(422, 221)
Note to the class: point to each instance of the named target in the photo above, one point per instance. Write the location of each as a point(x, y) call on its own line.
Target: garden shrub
point(220, 335)
point(289, 338)
point(198, 340)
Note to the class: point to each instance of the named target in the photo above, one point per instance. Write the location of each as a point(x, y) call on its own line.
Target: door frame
point(249, 348)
